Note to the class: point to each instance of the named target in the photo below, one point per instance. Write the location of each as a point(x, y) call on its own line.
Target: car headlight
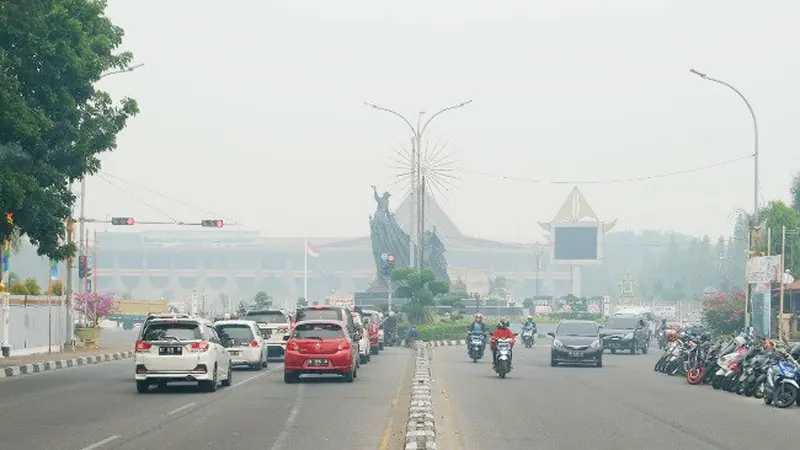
point(557, 343)
point(628, 336)
point(595, 344)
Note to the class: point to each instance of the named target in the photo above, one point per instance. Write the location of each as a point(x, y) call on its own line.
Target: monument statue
point(387, 236)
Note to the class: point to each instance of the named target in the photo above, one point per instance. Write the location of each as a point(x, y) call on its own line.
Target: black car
point(626, 332)
point(576, 342)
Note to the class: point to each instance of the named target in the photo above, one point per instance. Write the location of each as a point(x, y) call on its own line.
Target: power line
point(159, 211)
point(166, 197)
point(614, 181)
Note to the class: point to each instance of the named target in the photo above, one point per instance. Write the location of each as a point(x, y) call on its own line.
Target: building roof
point(435, 217)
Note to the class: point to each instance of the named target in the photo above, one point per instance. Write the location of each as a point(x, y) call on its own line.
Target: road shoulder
point(32, 364)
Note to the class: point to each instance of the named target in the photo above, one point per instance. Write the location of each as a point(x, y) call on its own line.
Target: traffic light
point(123, 221)
point(83, 265)
point(212, 223)
point(388, 266)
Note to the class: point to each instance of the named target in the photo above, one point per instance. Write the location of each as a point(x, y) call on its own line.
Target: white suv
point(181, 349)
point(274, 323)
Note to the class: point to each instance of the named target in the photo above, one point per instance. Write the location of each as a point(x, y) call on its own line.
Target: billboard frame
point(577, 224)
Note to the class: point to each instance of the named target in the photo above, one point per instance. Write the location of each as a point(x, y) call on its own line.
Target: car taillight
point(142, 346)
point(294, 346)
point(344, 345)
point(199, 346)
point(255, 343)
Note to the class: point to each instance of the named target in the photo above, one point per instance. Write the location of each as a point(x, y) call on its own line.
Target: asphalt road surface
point(621, 405)
point(97, 407)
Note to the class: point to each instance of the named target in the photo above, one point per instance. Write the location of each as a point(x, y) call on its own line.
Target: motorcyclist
point(477, 326)
point(413, 335)
point(390, 328)
point(529, 324)
point(501, 332)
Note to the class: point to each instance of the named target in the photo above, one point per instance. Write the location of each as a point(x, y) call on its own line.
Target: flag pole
point(305, 271)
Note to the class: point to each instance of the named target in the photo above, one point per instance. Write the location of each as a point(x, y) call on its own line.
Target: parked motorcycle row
point(476, 347)
point(744, 365)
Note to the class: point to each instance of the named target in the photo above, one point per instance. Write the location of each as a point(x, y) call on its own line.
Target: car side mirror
point(516, 334)
point(286, 338)
point(551, 334)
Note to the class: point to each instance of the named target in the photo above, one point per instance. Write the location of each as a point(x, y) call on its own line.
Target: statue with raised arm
point(383, 201)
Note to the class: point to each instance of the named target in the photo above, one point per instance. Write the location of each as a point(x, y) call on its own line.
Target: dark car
point(576, 342)
point(626, 332)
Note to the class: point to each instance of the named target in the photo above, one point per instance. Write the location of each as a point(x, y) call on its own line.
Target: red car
point(320, 347)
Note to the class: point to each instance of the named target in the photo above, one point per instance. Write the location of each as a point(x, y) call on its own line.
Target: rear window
point(318, 331)
point(171, 331)
point(239, 333)
point(320, 314)
point(266, 317)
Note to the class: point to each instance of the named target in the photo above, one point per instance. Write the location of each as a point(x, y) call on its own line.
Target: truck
point(131, 312)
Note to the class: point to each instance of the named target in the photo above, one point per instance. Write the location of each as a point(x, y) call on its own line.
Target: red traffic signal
point(212, 223)
point(123, 221)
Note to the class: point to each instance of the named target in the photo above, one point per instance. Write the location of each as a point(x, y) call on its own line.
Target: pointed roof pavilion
point(576, 208)
point(435, 217)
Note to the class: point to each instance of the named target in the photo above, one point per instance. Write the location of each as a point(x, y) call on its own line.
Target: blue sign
point(53, 270)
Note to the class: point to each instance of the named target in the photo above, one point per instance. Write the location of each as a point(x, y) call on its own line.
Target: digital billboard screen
point(575, 243)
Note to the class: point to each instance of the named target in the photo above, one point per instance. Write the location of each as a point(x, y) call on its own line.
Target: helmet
point(672, 335)
point(478, 317)
point(391, 313)
point(530, 318)
point(740, 340)
point(226, 316)
point(503, 323)
point(706, 336)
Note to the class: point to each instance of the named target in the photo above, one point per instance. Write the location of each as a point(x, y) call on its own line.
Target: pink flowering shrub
point(95, 306)
point(724, 312)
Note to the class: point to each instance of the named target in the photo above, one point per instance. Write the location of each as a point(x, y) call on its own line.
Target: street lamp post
point(756, 213)
point(417, 212)
point(538, 250)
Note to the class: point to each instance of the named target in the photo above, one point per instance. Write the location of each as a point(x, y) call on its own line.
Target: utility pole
point(756, 213)
point(416, 234)
point(538, 250)
point(70, 228)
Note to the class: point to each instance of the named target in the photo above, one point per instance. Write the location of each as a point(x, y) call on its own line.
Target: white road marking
point(177, 410)
point(280, 443)
point(101, 443)
point(262, 374)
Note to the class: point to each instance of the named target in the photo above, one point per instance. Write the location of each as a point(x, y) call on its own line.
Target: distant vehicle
point(244, 341)
point(273, 324)
point(361, 337)
point(626, 332)
point(181, 349)
point(576, 341)
point(320, 347)
point(373, 325)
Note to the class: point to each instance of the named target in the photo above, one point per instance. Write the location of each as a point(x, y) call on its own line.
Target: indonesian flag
point(312, 250)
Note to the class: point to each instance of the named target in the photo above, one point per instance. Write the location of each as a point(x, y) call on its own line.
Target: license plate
point(576, 354)
point(170, 350)
point(317, 362)
point(235, 353)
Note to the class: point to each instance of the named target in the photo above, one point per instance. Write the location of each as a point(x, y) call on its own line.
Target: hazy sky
point(254, 109)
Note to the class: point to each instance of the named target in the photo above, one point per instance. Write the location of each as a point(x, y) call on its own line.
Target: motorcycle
point(477, 344)
point(528, 337)
point(503, 365)
point(781, 388)
point(392, 338)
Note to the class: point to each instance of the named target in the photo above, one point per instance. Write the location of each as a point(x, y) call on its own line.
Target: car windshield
point(172, 331)
point(266, 317)
point(239, 333)
point(577, 329)
point(319, 314)
point(318, 331)
point(621, 323)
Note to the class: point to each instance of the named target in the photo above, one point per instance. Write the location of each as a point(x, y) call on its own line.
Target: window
point(172, 331)
point(266, 316)
point(577, 329)
point(318, 331)
point(240, 334)
point(621, 323)
point(319, 314)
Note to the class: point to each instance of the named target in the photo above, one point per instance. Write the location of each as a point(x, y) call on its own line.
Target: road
point(97, 407)
point(621, 405)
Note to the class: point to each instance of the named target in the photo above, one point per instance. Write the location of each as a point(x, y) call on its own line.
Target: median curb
point(460, 342)
point(39, 367)
point(421, 431)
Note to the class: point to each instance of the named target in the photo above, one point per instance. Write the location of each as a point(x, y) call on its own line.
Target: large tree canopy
point(53, 122)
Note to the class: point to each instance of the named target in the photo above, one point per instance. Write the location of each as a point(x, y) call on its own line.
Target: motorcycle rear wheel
point(716, 382)
point(695, 375)
point(785, 395)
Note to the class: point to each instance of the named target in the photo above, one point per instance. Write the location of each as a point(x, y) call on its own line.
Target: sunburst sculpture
point(438, 166)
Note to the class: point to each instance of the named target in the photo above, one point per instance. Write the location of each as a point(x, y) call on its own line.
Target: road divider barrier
point(421, 431)
point(39, 367)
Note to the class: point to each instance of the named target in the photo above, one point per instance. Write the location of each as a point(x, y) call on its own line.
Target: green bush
point(443, 331)
point(577, 315)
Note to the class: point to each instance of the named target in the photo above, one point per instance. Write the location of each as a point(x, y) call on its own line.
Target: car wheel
point(229, 380)
point(362, 359)
point(599, 362)
point(381, 346)
point(553, 362)
point(210, 385)
point(646, 347)
point(264, 363)
point(142, 387)
point(373, 350)
point(257, 366)
point(633, 347)
point(350, 376)
point(290, 378)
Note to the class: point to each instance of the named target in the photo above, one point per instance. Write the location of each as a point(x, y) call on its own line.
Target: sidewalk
point(25, 365)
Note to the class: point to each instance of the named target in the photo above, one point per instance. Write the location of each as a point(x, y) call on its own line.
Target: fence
point(35, 323)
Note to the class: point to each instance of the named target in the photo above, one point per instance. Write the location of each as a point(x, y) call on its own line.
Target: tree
point(420, 287)
point(53, 122)
point(724, 312)
point(776, 216)
point(95, 307)
point(576, 304)
point(262, 300)
point(795, 190)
